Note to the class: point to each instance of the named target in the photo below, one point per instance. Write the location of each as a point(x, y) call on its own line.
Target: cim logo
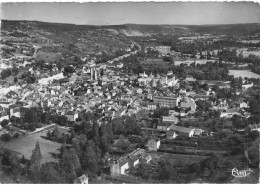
point(241, 173)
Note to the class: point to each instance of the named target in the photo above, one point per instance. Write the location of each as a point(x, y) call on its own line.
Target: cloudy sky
point(184, 13)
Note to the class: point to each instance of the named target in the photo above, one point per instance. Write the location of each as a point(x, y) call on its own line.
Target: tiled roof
point(70, 113)
point(180, 129)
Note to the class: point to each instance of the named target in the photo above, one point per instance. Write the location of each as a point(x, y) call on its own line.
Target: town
point(86, 105)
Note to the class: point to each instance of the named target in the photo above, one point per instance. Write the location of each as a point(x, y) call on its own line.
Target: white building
point(153, 144)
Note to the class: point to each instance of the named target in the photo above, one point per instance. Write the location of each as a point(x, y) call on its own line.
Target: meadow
point(244, 73)
point(247, 53)
point(190, 61)
point(25, 145)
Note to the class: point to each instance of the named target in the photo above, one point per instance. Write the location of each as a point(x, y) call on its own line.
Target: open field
point(26, 144)
point(250, 41)
point(180, 159)
point(47, 56)
point(190, 61)
point(247, 53)
point(244, 73)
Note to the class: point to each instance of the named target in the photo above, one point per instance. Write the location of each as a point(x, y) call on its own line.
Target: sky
point(184, 13)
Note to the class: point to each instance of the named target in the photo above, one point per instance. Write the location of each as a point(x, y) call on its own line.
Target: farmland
point(181, 159)
point(48, 57)
point(243, 74)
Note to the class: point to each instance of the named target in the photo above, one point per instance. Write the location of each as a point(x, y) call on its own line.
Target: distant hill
point(137, 29)
point(201, 29)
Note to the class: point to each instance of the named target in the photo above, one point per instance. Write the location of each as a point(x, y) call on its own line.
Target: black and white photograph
point(129, 92)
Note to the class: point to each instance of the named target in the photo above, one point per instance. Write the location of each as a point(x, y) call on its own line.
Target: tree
point(95, 133)
point(131, 126)
point(69, 69)
point(142, 171)
point(206, 87)
point(54, 118)
point(67, 166)
point(46, 117)
point(36, 159)
point(4, 123)
point(216, 88)
point(166, 170)
point(5, 73)
point(49, 174)
point(6, 137)
point(208, 55)
point(49, 135)
point(12, 162)
point(31, 116)
point(15, 79)
point(118, 126)
point(75, 145)
point(195, 167)
point(161, 112)
point(105, 138)
point(139, 69)
point(15, 70)
point(90, 158)
point(55, 133)
point(62, 120)
point(87, 127)
point(74, 159)
point(159, 84)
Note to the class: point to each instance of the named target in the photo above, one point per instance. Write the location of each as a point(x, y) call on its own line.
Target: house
point(146, 159)
point(120, 112)
point(188, 103)
point(83, 179)
point(169, 102)
point(3, 116)
point(153, 144)
point(108, 96)
point(131, 111)
point(171, 135)
point(173, 113)
point(255, 127)
point(201, 97)
point(244, 105)
point(198, 132)
point(15, 112)
point(4, 104)
point(139, 90)
point(71, 115)
point(223, 105)
point(151, 106)
point(211, 83)
point(246, 86)
point(143, 74)
point(110, 114)
point(163, 126)
point(171, 119)
point(182, 131)
point(190, 78)
point(230, 112)
point(119, 167)
point(133, 160)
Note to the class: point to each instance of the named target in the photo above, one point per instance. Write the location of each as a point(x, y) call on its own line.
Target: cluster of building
point(103, 89)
